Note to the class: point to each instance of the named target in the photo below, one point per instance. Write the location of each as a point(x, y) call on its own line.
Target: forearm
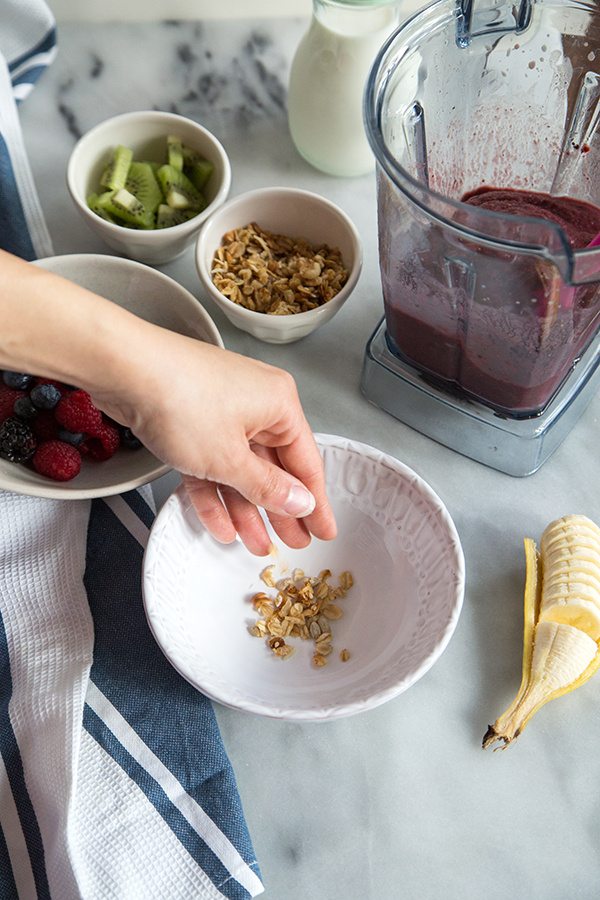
point(52, 327)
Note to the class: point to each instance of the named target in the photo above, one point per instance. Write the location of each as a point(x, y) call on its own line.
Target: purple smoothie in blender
point(483, 118)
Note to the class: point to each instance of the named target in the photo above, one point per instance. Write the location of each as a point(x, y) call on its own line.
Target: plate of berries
point(54, 441)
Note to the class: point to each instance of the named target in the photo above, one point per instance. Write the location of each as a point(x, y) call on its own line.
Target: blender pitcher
point(492, 307)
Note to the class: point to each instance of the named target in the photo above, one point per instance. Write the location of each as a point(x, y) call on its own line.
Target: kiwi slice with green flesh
point(142, 183)
point(166, 216)
point(115, 173)
point(197, 168)
point(92, 202)
point(178, 190)
point(125, 206)
point(175, 153)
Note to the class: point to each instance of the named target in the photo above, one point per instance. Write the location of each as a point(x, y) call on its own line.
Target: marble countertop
point(399, 802)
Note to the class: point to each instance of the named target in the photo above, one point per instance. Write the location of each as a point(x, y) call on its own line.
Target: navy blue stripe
point(176, 721)
point(14, 767)
point(45, 44)
point(8, 888)
point(29, 76)
point(180, 827)
point(138, 505)
point(14, 235)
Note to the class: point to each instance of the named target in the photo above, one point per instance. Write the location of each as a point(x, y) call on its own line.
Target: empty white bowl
point(152, 296)
point(396, 538)
point(145, 133)
point(295, 213)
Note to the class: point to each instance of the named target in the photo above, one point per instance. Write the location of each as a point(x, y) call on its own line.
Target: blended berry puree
point(579, 220)
point(490, 337)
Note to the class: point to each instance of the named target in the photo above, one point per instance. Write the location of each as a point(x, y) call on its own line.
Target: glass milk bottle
point(327, 81)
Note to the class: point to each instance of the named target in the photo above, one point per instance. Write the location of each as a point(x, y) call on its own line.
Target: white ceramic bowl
point(145, 133)
point(293, 212)
point(397, 539)
point(152, 296)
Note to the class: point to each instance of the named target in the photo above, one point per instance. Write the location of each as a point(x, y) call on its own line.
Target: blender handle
point(497, 17)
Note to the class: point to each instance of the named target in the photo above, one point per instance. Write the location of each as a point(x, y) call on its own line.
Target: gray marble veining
point(399, 803)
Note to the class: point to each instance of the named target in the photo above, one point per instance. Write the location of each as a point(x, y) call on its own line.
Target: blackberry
point(24, 408)
point(18, 380)
point(45, 396)
point(75, 438)
point(128, 438)
point(17, 441)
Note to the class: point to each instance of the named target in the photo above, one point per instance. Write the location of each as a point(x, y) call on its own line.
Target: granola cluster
point(275, 274)
point(304, 608)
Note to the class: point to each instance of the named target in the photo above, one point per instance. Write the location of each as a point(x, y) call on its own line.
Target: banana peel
point(561, 646)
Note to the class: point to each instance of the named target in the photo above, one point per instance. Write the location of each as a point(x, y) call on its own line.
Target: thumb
point(265, 484)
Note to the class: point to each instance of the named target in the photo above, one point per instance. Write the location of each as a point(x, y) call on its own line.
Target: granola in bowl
point(274, 273)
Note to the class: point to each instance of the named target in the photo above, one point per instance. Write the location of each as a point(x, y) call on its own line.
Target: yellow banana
point(561, 632)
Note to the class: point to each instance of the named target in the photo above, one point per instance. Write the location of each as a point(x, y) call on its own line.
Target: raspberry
point(17, 441)
point(102, 445)
point(57, 460)
point(7, 401)
point(76, 412)
point(45, 426)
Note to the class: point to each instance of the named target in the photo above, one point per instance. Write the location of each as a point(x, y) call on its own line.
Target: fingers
point(292, 532)
point(302, 458)
point(247, 521)
point(263, 482)
point(209, 508)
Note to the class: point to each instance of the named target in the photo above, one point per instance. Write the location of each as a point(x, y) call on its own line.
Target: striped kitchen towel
point(114, 782)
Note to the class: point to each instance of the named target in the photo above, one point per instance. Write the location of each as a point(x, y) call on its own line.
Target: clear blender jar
point(493, 308)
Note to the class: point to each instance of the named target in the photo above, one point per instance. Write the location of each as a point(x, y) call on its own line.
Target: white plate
point(397, 539)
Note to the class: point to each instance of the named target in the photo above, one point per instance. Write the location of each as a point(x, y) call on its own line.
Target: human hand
point(232, 426)
point(235, 429)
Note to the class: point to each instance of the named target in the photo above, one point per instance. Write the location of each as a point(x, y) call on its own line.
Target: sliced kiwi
point(115, 173)
point(146, 194)
point(125, 206)
point(166, 216)
point(94, 205)
point(144, 186)
point(197, 168)
point(178, 190)
point(175, 152)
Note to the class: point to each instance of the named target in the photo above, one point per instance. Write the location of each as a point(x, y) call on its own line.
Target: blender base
point(513, 446)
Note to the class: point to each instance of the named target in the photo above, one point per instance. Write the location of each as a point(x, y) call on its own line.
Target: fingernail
point(300, 502)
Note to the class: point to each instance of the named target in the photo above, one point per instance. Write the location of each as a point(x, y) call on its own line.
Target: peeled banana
point(561, 633)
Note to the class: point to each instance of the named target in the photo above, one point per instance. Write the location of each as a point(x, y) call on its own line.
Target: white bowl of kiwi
point(146, 181)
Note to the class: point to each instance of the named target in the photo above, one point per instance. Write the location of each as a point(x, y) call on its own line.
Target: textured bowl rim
point(338, 711)
point(250, 315)
point(155, 235)
point(65, 492)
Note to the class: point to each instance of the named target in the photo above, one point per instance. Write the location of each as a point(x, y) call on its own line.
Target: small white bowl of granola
point(279, 261)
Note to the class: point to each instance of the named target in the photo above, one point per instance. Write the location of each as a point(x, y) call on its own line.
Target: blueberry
point(24, 408)
point(45, 396)
point(70, 437)
point(128, 439)
point(18, 380)
point(17, 441)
